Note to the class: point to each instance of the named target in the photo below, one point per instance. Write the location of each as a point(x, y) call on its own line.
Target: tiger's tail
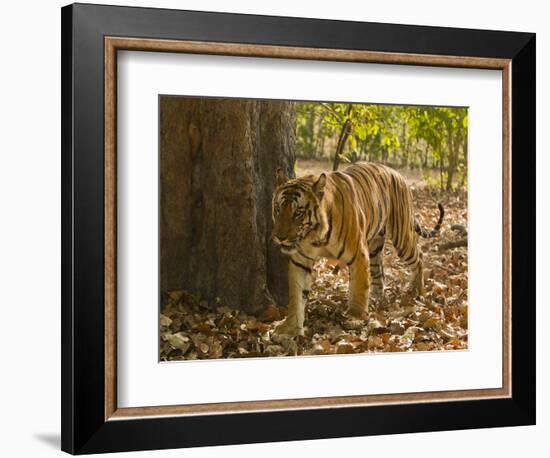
point(435, 231)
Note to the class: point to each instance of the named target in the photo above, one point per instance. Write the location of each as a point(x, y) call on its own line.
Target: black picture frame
point(84, 428)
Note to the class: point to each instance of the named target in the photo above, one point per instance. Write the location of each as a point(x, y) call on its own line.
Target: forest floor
point(193, 329)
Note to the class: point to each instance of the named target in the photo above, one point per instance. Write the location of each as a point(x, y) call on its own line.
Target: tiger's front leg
point(299, 281)
point(359, 284)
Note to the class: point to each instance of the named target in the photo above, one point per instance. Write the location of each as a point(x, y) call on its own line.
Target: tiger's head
point(297, 210)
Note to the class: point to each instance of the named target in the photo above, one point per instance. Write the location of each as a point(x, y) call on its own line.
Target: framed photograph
point(281, 228)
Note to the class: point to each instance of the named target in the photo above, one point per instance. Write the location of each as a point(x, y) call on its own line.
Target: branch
point(330, 110)
point(453, 244)
point(460, 229)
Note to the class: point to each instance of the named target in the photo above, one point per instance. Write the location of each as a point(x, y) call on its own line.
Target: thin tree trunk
point(465, 153)
point(453, 162)
point(441, 169)
point(405, 158)
point(426, 155)
point(322, 147)
point(311, 134)
point(363, 150)
point(344, 134)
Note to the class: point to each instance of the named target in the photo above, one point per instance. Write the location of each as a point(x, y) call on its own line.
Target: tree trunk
point(218, 159)
point(465, 153)
point(441, 169)
point(363, 150)
point(426, 155)
point(405, 158)
point(453, 162)
point(310, 152)
point(344, 134)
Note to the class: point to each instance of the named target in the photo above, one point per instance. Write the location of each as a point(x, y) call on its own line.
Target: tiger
point(346, 216)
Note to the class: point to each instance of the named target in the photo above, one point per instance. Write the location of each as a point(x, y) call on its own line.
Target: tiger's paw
point(413, 292)
point(416, 286)
point(288, 328)
point(374, 304)
point(377, 302)
point(358, 312)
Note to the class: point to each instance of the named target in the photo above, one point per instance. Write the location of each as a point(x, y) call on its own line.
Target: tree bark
point(453, 161)
point(218, 159)
point(465, 153)
point(344, 134)
point(441, 167)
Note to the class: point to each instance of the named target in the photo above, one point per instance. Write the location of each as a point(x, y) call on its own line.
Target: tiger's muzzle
point(287, 247)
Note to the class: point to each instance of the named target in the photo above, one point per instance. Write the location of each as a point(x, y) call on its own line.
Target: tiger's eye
point(298, 213)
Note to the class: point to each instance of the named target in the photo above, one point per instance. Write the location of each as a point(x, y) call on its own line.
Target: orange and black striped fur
point(345, 216)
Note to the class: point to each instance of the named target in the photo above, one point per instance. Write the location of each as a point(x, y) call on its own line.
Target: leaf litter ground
point(193, 329)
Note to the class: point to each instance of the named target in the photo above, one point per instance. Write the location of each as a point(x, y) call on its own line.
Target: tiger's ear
point(319, 186)
point(280, 177)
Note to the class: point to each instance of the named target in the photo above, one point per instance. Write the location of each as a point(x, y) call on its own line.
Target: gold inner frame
point(112, 45)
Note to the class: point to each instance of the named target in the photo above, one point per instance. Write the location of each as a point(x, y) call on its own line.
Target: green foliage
point(405, 136)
